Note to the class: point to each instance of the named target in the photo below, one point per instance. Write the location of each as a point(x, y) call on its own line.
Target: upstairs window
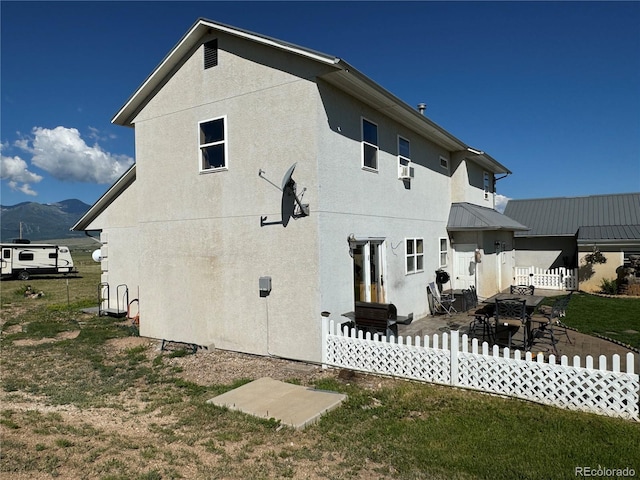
point(369, 145)
point(404, 158)
point(487, 185)
point(211, 54)
point(213, 144)
point(444, 163)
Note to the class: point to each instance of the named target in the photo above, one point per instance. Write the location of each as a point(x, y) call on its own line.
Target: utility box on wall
point(264, 284)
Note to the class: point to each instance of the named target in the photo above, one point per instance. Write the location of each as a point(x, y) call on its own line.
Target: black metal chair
point(509, 315)
point(550, 322)
point(469, 299)
point(522, 289)
point(480, 327)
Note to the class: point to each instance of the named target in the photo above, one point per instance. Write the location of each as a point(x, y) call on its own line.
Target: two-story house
point(221, 251)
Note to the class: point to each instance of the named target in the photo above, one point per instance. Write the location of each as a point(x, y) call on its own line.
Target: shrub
point(609, 286)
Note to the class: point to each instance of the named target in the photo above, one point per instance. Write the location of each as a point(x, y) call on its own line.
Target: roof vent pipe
point(422, 107)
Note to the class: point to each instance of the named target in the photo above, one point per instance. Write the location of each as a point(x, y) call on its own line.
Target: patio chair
point(440, 303)
point(472, 288)
point(550, 322)
point(469, 299)
point(522, 289)
point(509, 315)
point(481, 327)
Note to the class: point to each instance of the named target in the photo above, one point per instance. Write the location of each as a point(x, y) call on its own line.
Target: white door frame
point(381, 274)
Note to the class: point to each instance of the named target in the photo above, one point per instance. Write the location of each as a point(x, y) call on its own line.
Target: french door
point(369, 271)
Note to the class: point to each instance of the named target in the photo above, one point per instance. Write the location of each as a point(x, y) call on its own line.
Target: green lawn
point(615, 318)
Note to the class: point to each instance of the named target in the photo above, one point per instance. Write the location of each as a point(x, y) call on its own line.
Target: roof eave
point(105, 200)
point(354, 82)
point(607, 241)
point(190, 40)
point(484, 228)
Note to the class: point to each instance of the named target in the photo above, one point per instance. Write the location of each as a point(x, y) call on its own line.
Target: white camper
point(23, 259)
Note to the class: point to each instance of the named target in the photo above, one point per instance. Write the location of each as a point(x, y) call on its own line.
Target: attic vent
point(211, 54)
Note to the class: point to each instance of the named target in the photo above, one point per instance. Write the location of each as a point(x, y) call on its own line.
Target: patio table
point(531, 303)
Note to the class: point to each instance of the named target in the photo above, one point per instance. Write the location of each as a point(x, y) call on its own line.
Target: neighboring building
point(199, 223)
point(562, 231)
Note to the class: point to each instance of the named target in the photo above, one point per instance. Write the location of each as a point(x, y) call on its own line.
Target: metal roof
point(467, 216)
point(606, 216)
point(608, 232)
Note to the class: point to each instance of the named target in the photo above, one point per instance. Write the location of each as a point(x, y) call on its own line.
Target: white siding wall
point(362, 203)
point(119, 223)
point(204, 248)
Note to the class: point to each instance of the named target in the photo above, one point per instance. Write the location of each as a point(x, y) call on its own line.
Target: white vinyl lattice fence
point(449, 360)
point(554, 279)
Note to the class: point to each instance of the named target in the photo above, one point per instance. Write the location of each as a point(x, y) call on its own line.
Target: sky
point(551, 90)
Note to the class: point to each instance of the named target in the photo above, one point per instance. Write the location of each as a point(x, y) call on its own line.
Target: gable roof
point(106, 199)
point(342, 75)
point(467, 216)
point(596, 217)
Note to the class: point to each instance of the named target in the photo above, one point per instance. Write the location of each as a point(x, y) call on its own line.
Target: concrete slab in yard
point(293, 405)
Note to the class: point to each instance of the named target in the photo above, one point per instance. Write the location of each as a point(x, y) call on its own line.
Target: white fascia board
point(105, 200)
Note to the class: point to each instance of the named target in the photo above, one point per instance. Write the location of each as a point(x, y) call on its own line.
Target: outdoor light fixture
point(351, 239)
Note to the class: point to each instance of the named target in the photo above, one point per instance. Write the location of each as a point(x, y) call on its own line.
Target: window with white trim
point(414, 255)
point(444, 163)
point(404, 157)
point(487, 185)
point(444, 247)
point(369, 145)
point(213, 144)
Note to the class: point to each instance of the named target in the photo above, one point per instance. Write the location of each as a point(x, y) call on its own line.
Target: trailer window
point(6, 254)
point(25, 256)
point(53, 255)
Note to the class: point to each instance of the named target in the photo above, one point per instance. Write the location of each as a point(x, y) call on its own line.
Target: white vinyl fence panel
point(449, 361)
point(554, 279)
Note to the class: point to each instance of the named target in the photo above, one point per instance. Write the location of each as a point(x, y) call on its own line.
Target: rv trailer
point(22, 259)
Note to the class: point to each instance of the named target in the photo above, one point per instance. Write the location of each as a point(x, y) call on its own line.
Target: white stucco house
point(196, 226)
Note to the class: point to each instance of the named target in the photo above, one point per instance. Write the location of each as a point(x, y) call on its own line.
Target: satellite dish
point(289, 199)
point(286, 180)
point(288, 206)
point(97, 255)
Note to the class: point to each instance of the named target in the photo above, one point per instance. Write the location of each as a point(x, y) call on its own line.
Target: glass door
point(369, 271)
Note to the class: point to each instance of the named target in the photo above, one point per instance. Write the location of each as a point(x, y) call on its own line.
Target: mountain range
point(37, 221)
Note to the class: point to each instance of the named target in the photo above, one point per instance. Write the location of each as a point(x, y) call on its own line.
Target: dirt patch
point(133, 434)
point(61, 336)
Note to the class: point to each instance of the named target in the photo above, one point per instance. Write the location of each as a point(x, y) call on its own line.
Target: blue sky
point(549, 89)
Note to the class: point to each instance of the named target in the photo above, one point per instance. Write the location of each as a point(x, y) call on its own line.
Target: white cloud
point(501, 202)
point(16, 172)
point(65, 155)
point(24, 188)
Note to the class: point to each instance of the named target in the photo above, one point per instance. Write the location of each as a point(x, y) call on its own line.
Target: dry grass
point(83, 397)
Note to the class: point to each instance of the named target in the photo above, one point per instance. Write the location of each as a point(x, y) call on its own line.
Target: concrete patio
point(581, 344)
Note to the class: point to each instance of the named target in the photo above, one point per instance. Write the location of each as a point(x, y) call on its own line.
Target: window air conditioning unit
point(406, 172)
